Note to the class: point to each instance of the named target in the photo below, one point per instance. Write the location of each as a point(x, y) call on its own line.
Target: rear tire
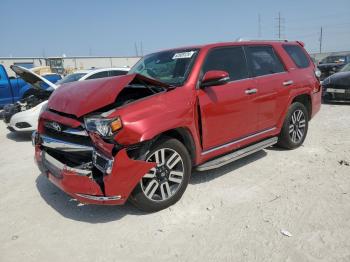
point(295, 127)
point(163, 185)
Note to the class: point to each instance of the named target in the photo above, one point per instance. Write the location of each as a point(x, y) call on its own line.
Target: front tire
point(163, 185)
point(295, 127)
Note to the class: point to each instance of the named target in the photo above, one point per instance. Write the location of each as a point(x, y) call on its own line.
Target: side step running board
point(226, 159)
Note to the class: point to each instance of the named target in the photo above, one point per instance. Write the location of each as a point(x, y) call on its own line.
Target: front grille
point(345, 96)
point(72, 138)
point(71, 159)
point(70, 135)
point(22, 125)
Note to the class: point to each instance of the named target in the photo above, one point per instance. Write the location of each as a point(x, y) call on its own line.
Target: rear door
point(228, 111)
point(272, 81)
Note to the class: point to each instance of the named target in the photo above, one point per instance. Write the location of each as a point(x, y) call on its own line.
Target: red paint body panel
point(61, 119)
point(212, 116)
point(125, 175)
point(82, 97)
point(98, 142)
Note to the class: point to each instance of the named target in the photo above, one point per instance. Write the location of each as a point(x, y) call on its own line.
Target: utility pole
point(141, 48)
point(259, 26)
point(136, 51)
point(321, 39)
point(280, 22)
point(279, 25)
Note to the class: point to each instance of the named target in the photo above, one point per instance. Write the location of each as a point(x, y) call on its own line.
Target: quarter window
point(229, 59)
point(297, 55)
point(263, 60)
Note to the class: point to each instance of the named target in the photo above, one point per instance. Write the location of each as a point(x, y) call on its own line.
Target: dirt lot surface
point(235, 213)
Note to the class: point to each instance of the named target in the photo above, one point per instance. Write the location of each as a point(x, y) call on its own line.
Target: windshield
point(346, 68)
point(71, 78)
point(170, 67)
point(333, 59)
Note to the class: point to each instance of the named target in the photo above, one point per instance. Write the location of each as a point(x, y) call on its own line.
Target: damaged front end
point(80, 155)
point(89, 170)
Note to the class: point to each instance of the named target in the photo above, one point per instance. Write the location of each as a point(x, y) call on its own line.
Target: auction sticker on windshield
point(183, 55)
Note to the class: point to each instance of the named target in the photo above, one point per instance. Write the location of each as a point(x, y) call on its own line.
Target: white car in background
point(82, 75)
point(25, 113)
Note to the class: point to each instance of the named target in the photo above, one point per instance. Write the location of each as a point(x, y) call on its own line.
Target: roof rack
point(262, 40)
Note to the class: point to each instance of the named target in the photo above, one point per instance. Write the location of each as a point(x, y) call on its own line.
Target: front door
point(228, 112)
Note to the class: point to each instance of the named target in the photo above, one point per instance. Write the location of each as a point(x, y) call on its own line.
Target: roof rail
point(262, 40)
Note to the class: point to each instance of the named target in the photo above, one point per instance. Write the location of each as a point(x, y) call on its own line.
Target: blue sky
point(106, 27)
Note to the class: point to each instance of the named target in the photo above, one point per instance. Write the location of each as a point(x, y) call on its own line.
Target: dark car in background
point(332, 64)
point(337, 86)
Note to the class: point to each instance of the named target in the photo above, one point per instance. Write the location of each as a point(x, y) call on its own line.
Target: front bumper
point(112, 188)
point(25, 121)
point(336, 94)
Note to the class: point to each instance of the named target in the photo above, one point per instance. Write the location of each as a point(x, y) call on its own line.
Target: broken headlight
point(105, 127)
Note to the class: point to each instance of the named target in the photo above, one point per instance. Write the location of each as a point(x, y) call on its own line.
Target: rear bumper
point(113, 189)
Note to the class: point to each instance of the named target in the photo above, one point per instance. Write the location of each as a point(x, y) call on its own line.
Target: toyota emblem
point(56, 126)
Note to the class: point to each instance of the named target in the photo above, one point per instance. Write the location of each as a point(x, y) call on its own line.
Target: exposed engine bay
point(36, 97)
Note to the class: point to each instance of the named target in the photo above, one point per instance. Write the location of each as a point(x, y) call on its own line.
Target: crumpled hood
point(82, 97)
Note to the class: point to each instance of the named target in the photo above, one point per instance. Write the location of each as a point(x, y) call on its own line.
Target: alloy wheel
point(297, 126)
point(164, 180)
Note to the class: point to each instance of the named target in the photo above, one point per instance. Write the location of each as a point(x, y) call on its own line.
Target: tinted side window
point(263, 60)
point(117, 73)
point(229, 59)
point(298, 56)
point(99, 75)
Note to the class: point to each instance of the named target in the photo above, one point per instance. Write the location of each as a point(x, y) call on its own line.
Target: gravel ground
point(235, 213)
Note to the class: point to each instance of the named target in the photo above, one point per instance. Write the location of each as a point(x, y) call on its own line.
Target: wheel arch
point(304, 99)
point(184, 136)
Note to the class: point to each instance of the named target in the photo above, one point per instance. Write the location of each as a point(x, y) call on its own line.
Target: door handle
point(288, 83)
point(251, 91)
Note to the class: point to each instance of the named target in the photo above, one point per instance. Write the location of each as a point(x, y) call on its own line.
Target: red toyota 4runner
point(139, 136)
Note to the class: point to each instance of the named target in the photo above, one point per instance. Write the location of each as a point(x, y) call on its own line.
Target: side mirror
point(215, 78)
